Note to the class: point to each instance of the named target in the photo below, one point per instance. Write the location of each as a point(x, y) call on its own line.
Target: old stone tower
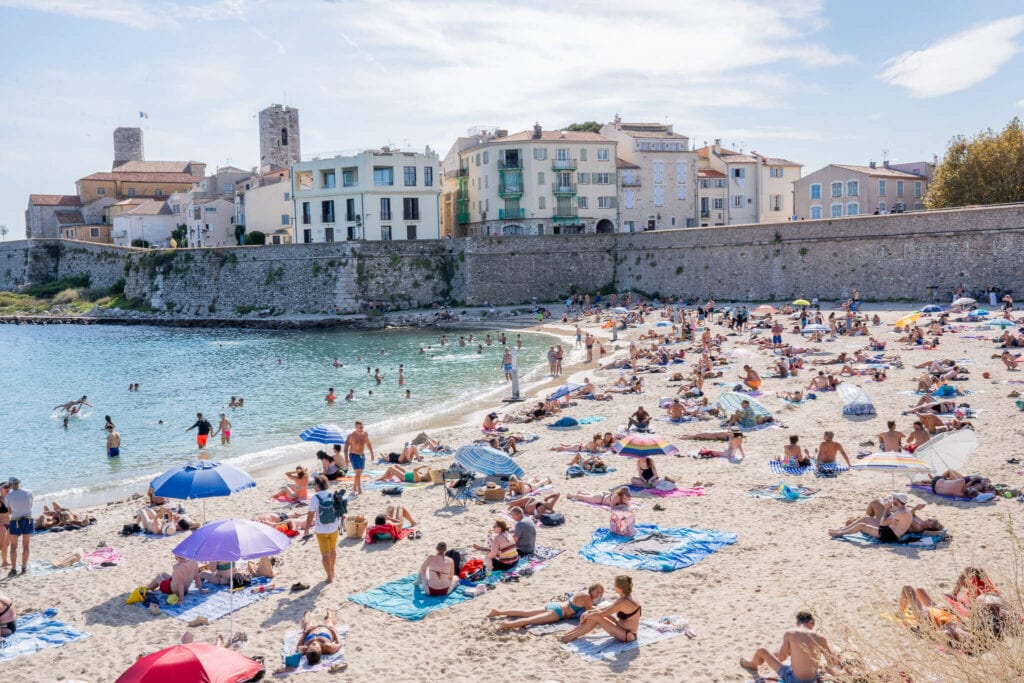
point(128, 145)
point(279, 136)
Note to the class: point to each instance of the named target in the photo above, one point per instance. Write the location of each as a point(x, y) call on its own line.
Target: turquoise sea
point(282, 375)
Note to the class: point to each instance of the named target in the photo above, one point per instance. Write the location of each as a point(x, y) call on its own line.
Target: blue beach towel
point(598, 646)
point(291, 637)
point(778, 468)
point(37, 632)
point(655, 548)
point(565, 423)
point(909, 540)
point(219, 602)
point(593, 419)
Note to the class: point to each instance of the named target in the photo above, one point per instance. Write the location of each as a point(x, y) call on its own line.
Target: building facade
point(384, 194)
point(279, 137)
point(147, 221)
point(657, 176)
point(839, 190)
point(99, 234)
point(758, 188)
point(263, 203)
point(537, 182)
point(41, 214)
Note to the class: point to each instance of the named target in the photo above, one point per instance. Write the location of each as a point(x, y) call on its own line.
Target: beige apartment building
point(263, 203)
point(535, 182)
point(839, 190)
point(657, 176)
point(759, 189)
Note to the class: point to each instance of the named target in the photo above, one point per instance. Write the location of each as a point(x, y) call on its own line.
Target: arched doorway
point(605, 225)
point(513, 230)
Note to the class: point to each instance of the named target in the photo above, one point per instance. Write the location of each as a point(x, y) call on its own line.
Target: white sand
point(736, 600)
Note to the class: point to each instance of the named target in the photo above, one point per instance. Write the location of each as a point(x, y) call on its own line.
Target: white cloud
point(957, 62)
point(140, 14)
point(1020, 103)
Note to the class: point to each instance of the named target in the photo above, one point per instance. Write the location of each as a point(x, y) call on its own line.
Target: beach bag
point(574, 471)
point(623, 523)
point(552, 519)
point(137, 595)
point(392, 491)
point(355, 526)
point(325, 512)
point(471, 567)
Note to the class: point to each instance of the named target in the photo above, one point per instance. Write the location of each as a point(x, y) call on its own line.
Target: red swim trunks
point(201, 440)
point(165, 587)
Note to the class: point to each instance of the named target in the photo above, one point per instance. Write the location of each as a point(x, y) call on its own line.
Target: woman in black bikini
point(647, 475)
point(620, 620)
point(8, 619)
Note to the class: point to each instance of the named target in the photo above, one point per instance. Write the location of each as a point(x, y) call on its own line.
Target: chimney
point(537, 131)
point(618, 122)
point(871, 164)
point(885, 163)
point(500, 133)
point(561, 134)
point(717, 148)
point(935, 160)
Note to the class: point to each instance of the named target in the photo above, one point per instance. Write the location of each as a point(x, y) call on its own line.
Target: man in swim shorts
point(355, 446)
point(113, 442)
point(203, 429)
point(183, 574)
point(803, 647)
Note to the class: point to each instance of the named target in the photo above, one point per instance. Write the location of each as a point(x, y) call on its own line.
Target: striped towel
point(778, 468)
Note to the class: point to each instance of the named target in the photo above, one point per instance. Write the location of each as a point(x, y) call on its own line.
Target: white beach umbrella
point(949, 450)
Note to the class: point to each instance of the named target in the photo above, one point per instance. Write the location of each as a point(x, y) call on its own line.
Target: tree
point(255, 237)
point(180, 236)
point(986, 169)
point(239, 234)
point(586, 127)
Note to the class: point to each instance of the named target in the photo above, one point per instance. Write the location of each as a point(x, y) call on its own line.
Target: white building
point(758, 189)
point(208, 221)
point(150, 221)
point(263, 203)
point(381, 194)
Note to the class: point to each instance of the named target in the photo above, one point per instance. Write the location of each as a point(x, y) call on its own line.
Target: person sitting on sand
point(396, 516)
point(177, 582)
point(952, 484)
point(1010, 361)
point(890, 528)
point(522, 487)
point(437, 574)
point(640, 419)
point(891, 441)
point(217, 573)
point(803, 647)
point(828, 449)
point(745, 417)
point(676, 411)
point(298, 490)
point(918, 437)
point(330, 466)
point(398, 474)
point(556, 610)
point(918, 525)
point(423, 439)
point(491, 424)
point(536, 506)
point(54, 515)
point(646, 474)
point(819, 382)
point(163, 521)
point(590, 463)
point(620, 619)
point(620, 497)
point(504, 443)
point(8, 616)
point(793, 455)
point(750, 378)
point(972, 583)
point(318, 637)
point(502, 553)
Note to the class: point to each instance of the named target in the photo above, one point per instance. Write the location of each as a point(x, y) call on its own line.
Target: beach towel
point(219, 602)
point(47, 568)
point(632, 506)
point(731, 401)
point(919, 541)
point(597, 646)
point(291, 636)
point(592, 419)
point(655, 548)
point(435, 454)
point(588, 473)
point(677, 420)
point(775, 492)
point(37, 632)
point(101, 558)
point(793, 403)
point(285, 498)
point(406, 485)
point(778, 468)
point(384, 530)
point(674, 493)
point(926, 488)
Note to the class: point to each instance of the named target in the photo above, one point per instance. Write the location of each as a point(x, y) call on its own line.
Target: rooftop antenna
point(885, 155)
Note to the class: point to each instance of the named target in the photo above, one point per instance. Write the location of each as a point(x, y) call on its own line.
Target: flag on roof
point(143, 115)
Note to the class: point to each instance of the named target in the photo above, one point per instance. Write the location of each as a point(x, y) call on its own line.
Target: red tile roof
point(54, 200)
point(145, 177)
point(709, 173)
point(622, 163)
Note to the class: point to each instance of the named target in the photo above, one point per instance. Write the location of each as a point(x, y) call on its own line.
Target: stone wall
point(906, 256)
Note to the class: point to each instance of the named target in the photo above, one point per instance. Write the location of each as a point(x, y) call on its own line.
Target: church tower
point(279, 136)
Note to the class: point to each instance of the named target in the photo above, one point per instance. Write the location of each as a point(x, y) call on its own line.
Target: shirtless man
point(750, 378)
point(828, 449)
point(894, 523)
point(918, 437)
point(819, 382)
point(675, 410)
point(113, 442)
point(355, 446)
point(183, 574)
point(804, 649)
point(640, 419)
point(891, 441)
point(953, 484)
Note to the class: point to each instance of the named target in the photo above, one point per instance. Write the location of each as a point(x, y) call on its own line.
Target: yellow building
point(87, 233)
point(123, 184)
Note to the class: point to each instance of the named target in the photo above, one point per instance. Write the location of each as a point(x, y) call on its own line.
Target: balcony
point(511, 189)
point(462, 217)
point(629, 182)
point(511, 214)
point(566, 216)
point(510, 164)
point(564, 188)
point(563, 164)
point(463, 172)
point(705, 214)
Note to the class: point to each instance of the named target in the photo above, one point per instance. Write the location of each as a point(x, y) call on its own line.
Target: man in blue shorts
point(355, 446)
point(802, 647)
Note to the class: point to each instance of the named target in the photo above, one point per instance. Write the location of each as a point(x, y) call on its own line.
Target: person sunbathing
point(928, 404)
point(555, 611)
point(841, 359)
point(709, 436)
point(8, 616)
point(56, 516)
point(620, 620)
point(501, 549)
point(491, 424)
point(522, 487)
point(395, 516)
point(918, 437)
point(828, 449)
point(918, 525)
point(891, 441)
point(891, 527)
point(590, 463)
point(640, 419)
point(318, 637)
point(620, 497)
point(177, 582)
point(294, 521)
point(972, 583)
point(646, 474)
point(536, 505)
point(398, 474)
point(795, 396)
point(594, 446)
point(803, 647)
point(746, 418)
point(819, 382)
point(163, 521)
point(952, 484)
point(298, 490)
point(437, 574)
point(217, 573)
point(504, 443)
point(422, 439)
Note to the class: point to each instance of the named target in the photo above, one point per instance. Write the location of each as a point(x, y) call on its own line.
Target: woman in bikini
point(522, 487)
point(396, 473)
point(534, 505)
point(620, 620)
point(554, 611)
point(437, 574)
point(647, 475)
point(503, 554)
point(318, 638)
point(298, 490)
point(8, 617)
point(218, 573)
point(620, 497)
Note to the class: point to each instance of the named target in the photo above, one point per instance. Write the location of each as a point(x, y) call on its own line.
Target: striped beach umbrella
point(325, 433)
point(487, 461)
point(893, 463)
point(643, 445)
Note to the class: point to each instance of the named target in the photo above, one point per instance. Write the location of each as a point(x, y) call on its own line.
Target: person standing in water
point(506, 363)
point(224, 429)
point(203, 429)
point(330, 397)
point(113, 441)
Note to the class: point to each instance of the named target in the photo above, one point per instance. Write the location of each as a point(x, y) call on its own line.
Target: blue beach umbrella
point(325, 434)
point(487, 461)
point(663, 323)
point(932, 308)
point(1000, 322)
point(201, 479)
point(564, 390)
point(977, 313)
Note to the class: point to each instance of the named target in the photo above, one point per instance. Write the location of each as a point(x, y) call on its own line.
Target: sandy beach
point(735, 600)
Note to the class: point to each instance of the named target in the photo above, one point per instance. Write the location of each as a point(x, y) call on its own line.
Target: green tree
point(255, 237)
point(985, 169)
point(586, 127)
point(180, 236)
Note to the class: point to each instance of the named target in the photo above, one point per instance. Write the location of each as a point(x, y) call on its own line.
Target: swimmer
point(350, 395)
point(408, 393)
point(67, 407)
point(336, 362)
point(401, 375)
point(330, 397)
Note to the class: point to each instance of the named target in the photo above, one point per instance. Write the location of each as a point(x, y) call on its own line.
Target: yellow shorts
point(327, 542)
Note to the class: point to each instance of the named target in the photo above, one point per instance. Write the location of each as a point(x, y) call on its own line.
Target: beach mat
point(219, 602)
point(917, 541)
point(100, 558)
point(37, 632)
point(655, 548)
point(674, 493)
point(632, 506)
point(778, 468)
point(598, 646)
point(291, 636)
point(772, 491)
point(47, 568)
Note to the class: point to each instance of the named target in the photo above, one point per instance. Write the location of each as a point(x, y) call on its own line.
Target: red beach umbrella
point(194, 662)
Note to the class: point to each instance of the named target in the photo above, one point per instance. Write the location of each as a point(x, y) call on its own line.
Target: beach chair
point(457, 488)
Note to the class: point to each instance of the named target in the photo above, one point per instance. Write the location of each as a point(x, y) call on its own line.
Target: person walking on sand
point(322, 519)
point(203, 429)
point(224, 429)
point(113, 442)
point(19, 503)
point(355, 446)
point(802, 646)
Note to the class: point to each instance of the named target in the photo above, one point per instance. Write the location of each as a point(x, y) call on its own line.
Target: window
point(583, 178)
point(196, 213)
point(307, 236)
point(881, 207)
point(383, 175)
point(327, 211)
point(410, 176)
point(659, 171)
point(628, 198)
point(681, 191)
point(540, 153)
point(227, 188)
point(306, 220)
point(602, 178)
point(540, 177)
point(327, 179)
point(350, 209)
point(385, 208)
point(583, 154)
point(351, 233)
point(837, 189)
point(540, 202)
point(602, 154)
point(158, 192)
point(328, 234)
point(775, 171)
point(487, 181)
point(284, 137)
point(630, 226)
point(350, 177)
point(101, 191)
point(917, 188)
point(476, 159)
point(287, 196)
point(899, 188)
point(852, 209)
point(659, 195)
point(410, 232)
point(210, 209)
point(411, 208)
point(775, 202)
point(836, 210)
point(680, 172)
point(718, 203)
point(852, 188)
point(606, 202)
point(739, 173)
point(94, 232)
point(815, 212)
point(582, 201)
point(881, 188)
point(562, 154)
point(428, 176)
point(131, 191)
point(286, 219)
point(816, 191)
point(385, 233)
point(487, 157)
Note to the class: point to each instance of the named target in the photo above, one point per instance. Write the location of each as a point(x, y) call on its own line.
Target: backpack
point(552, 519)
point(574, 471)
point(392, 491)
point(326, 513)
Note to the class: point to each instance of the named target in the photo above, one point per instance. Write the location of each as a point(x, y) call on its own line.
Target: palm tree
point(3, 232)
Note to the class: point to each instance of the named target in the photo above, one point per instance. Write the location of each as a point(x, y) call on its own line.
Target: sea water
point(282, 375)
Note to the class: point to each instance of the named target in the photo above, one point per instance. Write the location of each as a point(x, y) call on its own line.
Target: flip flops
point(299, 586)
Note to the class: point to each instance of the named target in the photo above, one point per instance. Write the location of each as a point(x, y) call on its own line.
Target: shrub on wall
point(255, 237)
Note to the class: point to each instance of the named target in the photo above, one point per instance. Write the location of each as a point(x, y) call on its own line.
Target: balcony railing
point(510, 164)
point(705, 214)
point(410, 215)
point(563, 164)
point(566, 216)
point(564, 188)
point(462, 217)
point(511, 214)
point(629, 182)
point(505, 189)
point(463, 172)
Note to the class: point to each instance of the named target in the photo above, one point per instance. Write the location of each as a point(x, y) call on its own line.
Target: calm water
point(185, 371)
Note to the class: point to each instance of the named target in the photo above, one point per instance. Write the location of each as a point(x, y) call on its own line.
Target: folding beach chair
point(457, 487)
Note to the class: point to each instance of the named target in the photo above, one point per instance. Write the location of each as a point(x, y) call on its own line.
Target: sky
point(814, 82)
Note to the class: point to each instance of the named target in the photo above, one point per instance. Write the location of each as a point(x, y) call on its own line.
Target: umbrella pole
point(231, 601)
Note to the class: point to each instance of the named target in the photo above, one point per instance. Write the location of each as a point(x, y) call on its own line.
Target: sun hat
point(901, 497)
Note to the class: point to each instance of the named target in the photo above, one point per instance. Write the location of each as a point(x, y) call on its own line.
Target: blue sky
point(810, 81)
